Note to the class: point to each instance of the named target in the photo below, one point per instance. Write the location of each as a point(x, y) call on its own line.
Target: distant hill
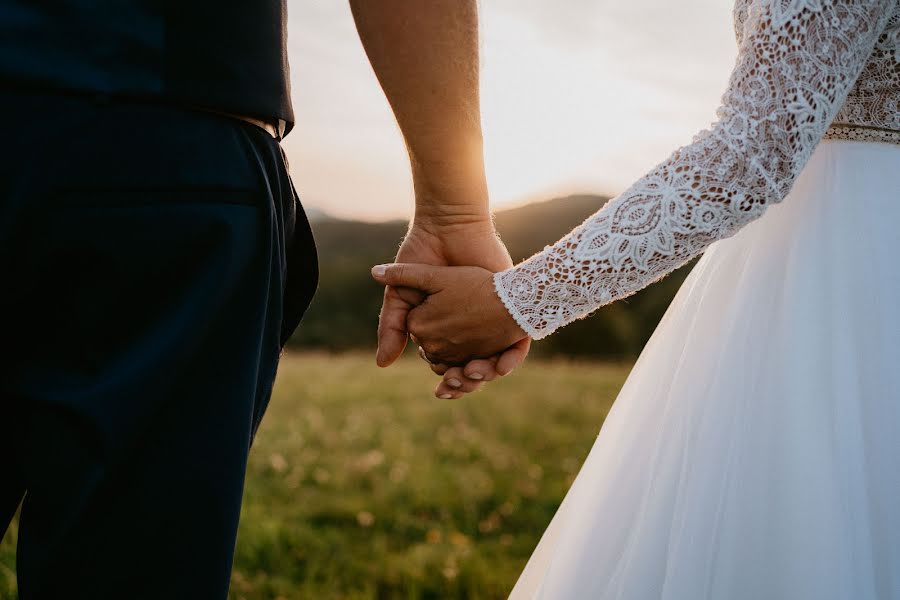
point(345, 311)
point(524, 230)
point(529, 228)
point(317, 215)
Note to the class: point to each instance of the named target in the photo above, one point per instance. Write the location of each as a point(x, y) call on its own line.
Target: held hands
point(416, 48)
point(459, 317)
point(447, 237)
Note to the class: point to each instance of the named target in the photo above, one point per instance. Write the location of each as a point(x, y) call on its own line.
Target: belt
point(267, 127)
point(862, 133)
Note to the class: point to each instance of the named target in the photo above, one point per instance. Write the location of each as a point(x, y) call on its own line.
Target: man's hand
point(425, 55)
point(461, 243)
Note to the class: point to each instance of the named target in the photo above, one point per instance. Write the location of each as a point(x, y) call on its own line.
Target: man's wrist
point(447, 216)
point(452, 204)
point(459, 201)
point(451, 189)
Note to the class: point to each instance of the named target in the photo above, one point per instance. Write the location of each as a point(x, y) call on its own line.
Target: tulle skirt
point(754, 451)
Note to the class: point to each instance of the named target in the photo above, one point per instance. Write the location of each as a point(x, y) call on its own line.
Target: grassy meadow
point(363, 485)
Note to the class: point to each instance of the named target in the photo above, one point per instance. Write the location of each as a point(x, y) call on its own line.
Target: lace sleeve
point(797, 61)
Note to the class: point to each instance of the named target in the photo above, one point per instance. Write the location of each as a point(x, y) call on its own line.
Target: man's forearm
point(425, 55)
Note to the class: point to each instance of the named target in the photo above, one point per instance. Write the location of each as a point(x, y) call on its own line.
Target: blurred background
point(361, 485)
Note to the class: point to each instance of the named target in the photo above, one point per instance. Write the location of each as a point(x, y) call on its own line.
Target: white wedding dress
point(754, 451)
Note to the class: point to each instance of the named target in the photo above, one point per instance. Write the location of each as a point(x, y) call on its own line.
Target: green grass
point(362, 485)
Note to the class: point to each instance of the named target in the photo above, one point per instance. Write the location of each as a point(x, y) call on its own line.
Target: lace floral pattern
point(875, 99)
point(801, 64)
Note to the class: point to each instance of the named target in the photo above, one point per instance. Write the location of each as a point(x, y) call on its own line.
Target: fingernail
point(454, 383)
point(446, 396)
point(379, 270)
point(475, 376)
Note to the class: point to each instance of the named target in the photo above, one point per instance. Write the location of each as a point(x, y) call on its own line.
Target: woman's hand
point(460, 319)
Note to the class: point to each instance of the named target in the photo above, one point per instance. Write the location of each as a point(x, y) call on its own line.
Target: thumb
point(513, 357)
point(392, 334)
point(421, 277)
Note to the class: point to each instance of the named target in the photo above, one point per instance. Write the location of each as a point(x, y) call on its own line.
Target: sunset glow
point(577, 99)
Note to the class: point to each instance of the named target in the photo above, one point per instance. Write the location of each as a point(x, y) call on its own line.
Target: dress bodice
point(805, 70)
point(874, 101)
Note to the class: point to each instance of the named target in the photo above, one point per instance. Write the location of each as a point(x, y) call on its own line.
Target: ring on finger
point(424, 356)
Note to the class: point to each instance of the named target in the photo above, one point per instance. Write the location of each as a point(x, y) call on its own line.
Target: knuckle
point(455, 341)
point(469, 387)
point(427, 279)
point(431, 348)
point(415, 323)
point(396, 273)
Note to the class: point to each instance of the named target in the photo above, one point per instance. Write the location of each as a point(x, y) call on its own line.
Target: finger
point(424, 355)
point(454, 380)
point(448, 394)
point(392, 334)
point(513, 357)
point(439, 368)
point(482, 369)
point(411, 296)
point(420, 277)
point(445, 392)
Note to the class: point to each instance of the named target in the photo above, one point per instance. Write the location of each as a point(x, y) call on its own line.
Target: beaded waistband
point(860, 133)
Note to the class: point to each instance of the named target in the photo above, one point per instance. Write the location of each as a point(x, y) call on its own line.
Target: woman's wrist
point(509, 304)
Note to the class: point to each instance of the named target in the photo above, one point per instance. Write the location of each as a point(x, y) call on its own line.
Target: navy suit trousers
point(153, 262)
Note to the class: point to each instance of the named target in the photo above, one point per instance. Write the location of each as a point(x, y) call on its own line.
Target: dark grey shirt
point(224, 55)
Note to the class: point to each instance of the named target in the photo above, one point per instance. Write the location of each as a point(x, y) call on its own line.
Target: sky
point(581, 96)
